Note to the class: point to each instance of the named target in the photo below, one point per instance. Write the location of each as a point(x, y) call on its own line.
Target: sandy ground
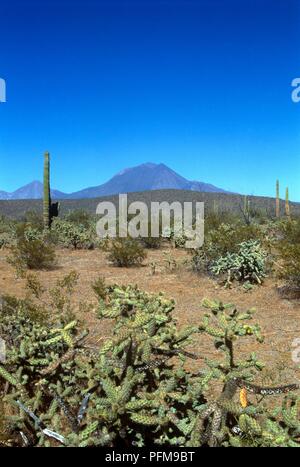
point(278, 318)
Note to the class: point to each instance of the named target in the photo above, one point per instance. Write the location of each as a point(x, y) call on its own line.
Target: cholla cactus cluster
point(74, 235)
point(135, 389)
point(7, 232)
point(247, 265)
point(230, 420)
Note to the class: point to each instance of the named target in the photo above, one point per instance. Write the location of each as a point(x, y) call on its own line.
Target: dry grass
point(278, 318)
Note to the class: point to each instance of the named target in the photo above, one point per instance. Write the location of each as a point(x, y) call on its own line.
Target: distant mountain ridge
point(33, 190)
point(144, 177)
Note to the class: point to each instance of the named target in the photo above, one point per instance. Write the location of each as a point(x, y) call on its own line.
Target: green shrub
point(247, 265)
point(288, 246)
point(7, 232)
point(213, 220)
point(176, 236)
point(34, 219)
point(74, 235)
point(99, 288)
point(80, 217)
point(223, 240)
point(32, 250)
point(153, 243)
point(33, 233)
point(5, 240)
point(227, 238)
point(125, 252)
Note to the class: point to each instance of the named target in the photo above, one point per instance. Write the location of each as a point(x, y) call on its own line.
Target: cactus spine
point(287, 204)
point(47, 197)
point(277, 199)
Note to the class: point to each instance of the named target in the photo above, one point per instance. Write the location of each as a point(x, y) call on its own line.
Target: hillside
point(224, 202)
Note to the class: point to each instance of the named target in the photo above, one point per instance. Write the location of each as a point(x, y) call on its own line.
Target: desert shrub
point(32, 250)
point(125, 252)
point(136, 391)
point(213, 220)
point(153, 243)
point(34, 219)
point(7, 232)
point(99, 288)
point(178, 238)
point(44, 305)
point(61, 296)
point(288, 247)
point(74, 235)
point(28, 308)
point(80, 217)
point(247, 265)
point(41, 305)
point(175, 236)
point(226, 239)
point(5, 239)
point(32, 233)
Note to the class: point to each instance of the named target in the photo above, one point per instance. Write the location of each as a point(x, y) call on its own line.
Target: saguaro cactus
point(47, 196)
point(277, 199)
point(215, 207)
point(245, 209)
point(287, 204)
point(50, 209)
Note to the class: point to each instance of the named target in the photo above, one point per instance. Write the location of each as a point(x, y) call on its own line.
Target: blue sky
point(203, 86)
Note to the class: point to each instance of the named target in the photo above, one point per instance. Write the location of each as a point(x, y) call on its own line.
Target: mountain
point(144, 177)
point(33, 190)
point(4, 195)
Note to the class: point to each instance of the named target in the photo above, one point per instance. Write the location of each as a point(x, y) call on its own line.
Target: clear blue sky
point(203, 86)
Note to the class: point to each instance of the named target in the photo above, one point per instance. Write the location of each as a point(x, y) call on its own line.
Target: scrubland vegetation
point(135, 388)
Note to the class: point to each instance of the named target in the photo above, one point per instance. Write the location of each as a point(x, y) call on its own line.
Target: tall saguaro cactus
point(287, 204)
point(47, 196)
point(215, 207)
point(277, 199)
point(246, 210)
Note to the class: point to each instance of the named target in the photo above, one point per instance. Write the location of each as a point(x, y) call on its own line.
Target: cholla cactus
point(73, 235)
point(135, 390)
point(226, 324)
point(247, 265)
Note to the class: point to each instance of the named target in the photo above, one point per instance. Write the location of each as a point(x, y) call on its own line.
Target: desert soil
point(278, 318)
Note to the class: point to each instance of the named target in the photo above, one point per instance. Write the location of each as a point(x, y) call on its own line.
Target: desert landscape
point(149, 226)
point(278, 317)
point(142, 303)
